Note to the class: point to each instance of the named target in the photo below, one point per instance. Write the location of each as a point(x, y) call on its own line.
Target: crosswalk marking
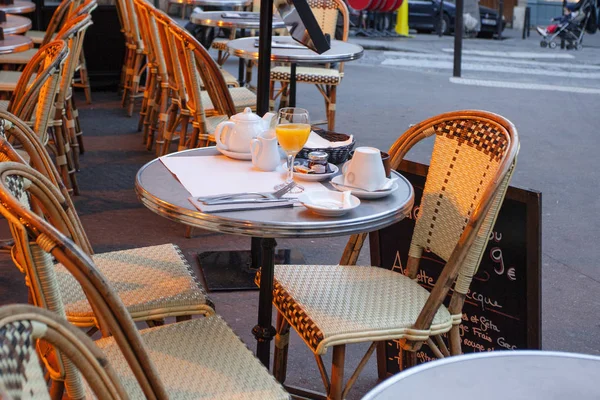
point(528, 63)
point(488, 66)
point(521, 85)
point(515, 54)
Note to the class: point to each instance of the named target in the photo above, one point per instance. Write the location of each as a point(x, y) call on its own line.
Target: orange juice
point(292, 137)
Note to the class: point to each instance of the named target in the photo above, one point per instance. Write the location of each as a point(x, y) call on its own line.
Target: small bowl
point(327, 203)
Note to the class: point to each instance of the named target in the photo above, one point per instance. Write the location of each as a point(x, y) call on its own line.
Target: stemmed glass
point(293, 129)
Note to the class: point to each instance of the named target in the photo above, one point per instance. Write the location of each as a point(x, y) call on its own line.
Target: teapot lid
point(246, 116)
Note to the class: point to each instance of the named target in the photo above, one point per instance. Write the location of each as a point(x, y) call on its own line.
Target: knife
point(246, 201)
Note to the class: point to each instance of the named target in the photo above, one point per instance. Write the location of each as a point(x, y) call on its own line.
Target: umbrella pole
point(264, 56)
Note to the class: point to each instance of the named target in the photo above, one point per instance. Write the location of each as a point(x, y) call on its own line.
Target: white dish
point(235, 154)
point(338, 183)
point(327, 203)
point(312, 177)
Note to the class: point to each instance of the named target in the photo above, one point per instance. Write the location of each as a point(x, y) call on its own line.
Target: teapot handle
point(222, 129)
point(256, 148)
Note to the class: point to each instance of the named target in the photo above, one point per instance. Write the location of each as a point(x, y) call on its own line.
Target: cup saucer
point(235, 154)
point(328, 203)
point(338, 183)
point(311, 177)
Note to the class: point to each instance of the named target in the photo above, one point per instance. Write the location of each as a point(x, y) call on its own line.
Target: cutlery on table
point(276, 195)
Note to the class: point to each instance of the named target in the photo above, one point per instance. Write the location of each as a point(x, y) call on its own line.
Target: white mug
point(365, 170)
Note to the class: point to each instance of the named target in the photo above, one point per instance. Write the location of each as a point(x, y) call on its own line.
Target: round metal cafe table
point(15, 24)
point(162, 193)
point(18, 7)
point(15, 44)
point(497, 375)
point(227, 19)
point(234, 20)
point(340, 51)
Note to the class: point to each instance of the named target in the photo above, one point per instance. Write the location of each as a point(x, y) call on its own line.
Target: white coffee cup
point(365, 171)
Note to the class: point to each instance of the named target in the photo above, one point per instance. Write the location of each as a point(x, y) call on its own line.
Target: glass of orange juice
point(293, 128)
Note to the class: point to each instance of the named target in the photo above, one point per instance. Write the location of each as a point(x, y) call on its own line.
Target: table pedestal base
point(232, 270)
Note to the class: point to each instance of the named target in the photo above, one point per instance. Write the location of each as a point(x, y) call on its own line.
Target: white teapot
point(236, 134)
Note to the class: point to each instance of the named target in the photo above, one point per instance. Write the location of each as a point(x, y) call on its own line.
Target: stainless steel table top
point(15, 44)
point(217, 18)
point(18, 7)
point(497, 375)
point(162, 193)
point(339, 52)
point(15, 24)
point(222, 3)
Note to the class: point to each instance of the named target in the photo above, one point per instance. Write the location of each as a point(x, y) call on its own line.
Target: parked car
point(423, 15)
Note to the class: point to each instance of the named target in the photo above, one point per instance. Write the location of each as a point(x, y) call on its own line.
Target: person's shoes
point(541, 31)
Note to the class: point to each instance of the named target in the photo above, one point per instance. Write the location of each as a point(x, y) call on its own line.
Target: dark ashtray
point(301, 167)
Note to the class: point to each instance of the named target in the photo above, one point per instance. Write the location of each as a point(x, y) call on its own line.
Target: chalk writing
point(482, 300)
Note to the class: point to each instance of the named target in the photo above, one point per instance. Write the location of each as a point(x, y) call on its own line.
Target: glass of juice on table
point(293, 129)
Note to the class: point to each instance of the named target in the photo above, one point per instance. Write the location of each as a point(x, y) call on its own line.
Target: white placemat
point(214, 175)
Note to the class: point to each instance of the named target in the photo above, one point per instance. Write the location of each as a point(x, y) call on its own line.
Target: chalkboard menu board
point(502, 309)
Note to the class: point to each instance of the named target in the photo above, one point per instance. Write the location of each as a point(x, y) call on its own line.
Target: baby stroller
point(579, 18)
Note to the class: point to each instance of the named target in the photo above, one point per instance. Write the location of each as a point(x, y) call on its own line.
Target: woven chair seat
point(230, 80)
point(330, 305)
point(316, 75)
point(242, 98)
point(151, 281)
point(220, 44)
point(204, 348)
point(37, 37)
point(4, 105)
point(212, 122)
point(22, 57)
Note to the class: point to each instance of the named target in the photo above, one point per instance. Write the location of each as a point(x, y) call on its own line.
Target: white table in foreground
point(162, 193)
point(497, 375)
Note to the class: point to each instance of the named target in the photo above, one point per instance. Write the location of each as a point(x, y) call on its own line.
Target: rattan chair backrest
point(59, 17)
point(85, 8)
point(73, 33)
point(38, 86)
point(473, 157)
point(152, 41)
point(169, 51)
point(39, 237)
point(133, 24)
point(21, 375)
point(200, 68)
point(326, 13)
point(18, 132)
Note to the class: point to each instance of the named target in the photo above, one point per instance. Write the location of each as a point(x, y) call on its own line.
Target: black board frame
point(532, 200)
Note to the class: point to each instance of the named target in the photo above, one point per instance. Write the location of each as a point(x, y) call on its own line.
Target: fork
point(268, 196)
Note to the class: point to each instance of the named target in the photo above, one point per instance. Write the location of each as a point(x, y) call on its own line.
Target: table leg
point(292, 99)
point(241, 64)
point(264, 331)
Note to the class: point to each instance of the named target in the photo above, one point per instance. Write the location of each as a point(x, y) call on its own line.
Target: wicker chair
point(330, 306)
point(154, 282)
point(325, 78)
point(199, 358)
point(66, 10)
point(21, 375)
point(191, 67)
